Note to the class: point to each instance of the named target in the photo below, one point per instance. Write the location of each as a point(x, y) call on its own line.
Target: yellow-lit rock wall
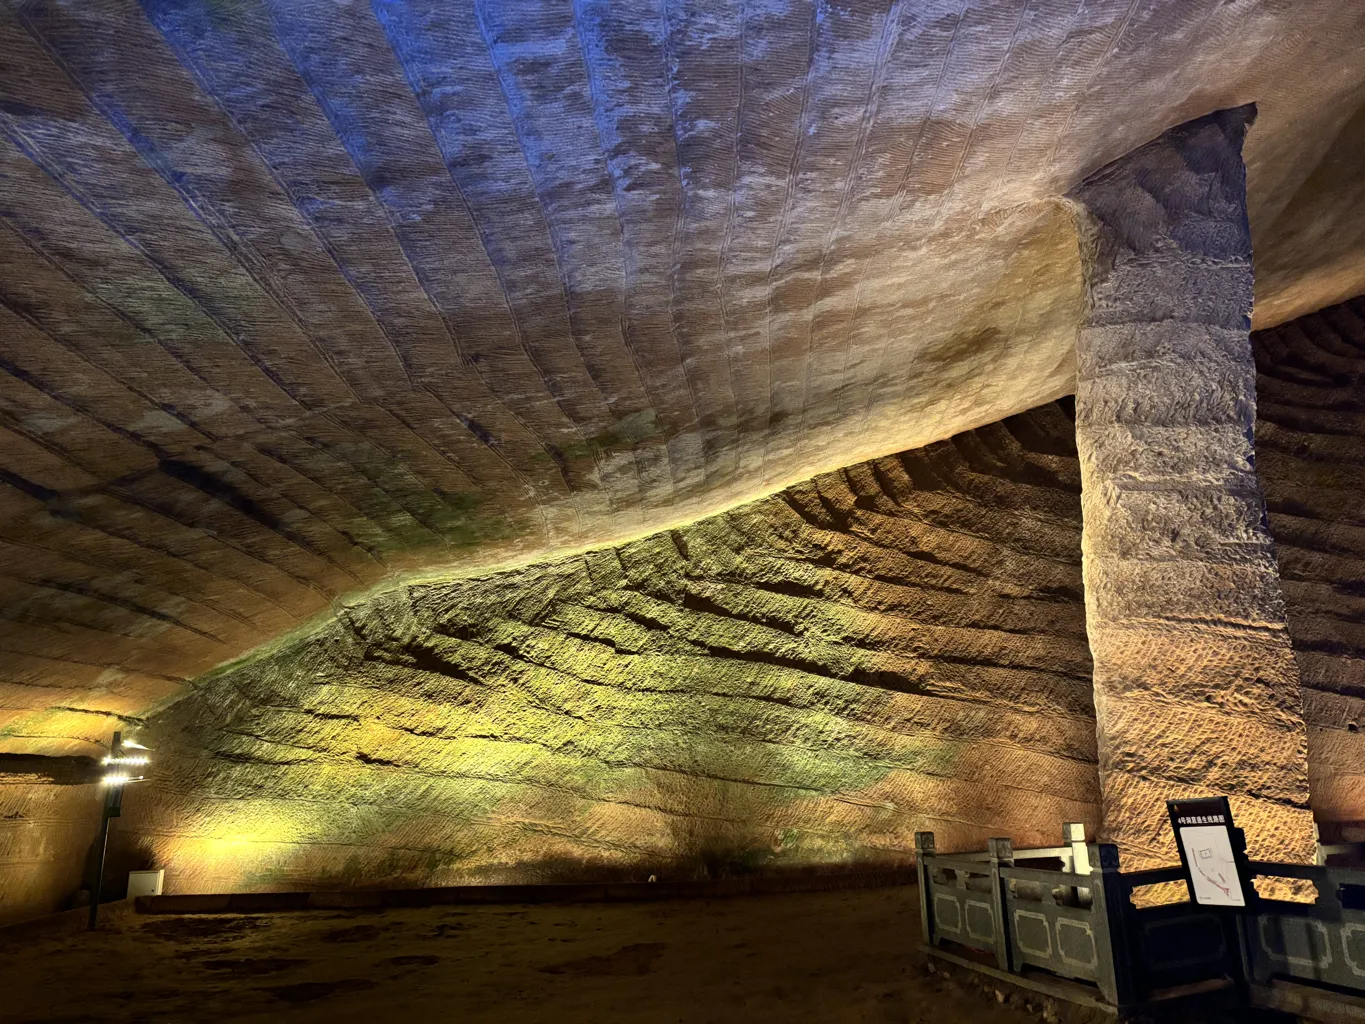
point(802, 682)
point(46, 832)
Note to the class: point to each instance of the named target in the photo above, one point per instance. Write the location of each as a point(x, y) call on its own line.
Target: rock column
point(1196, 688)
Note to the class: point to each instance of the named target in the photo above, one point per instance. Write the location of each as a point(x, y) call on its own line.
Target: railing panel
point(1055, 938)
point(1327, 950)
point(964, 916)
point(1322, 942)
point(1180, 944)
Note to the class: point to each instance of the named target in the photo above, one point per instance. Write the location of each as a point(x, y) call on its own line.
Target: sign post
point(1212, 852)
point(122, 756)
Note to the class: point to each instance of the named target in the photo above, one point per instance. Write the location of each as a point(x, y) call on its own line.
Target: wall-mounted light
point(119, 766)
point(124, 753)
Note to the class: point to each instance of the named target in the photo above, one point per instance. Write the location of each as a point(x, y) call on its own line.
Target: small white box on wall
point(146, 883)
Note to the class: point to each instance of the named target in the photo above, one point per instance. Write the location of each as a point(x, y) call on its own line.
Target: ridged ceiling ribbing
point(299, 296)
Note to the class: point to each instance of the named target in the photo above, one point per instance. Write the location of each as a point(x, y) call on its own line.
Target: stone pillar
point(1196, 688)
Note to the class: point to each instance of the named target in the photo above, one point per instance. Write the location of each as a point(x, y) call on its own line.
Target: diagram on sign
point(1213, 871)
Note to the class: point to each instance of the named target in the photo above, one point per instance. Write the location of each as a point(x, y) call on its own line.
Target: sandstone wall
point(47, 829)
point(1310, 453)
point(804, 681)
point(298, 297)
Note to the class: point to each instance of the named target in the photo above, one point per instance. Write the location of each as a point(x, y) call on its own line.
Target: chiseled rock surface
point(1310, 455)
point(1310, 433)
point(804, 681)
point(1196, 687)
point(46, 830)
point(301, 296)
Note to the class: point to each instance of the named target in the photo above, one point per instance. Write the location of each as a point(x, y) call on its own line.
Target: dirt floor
point(813, 957)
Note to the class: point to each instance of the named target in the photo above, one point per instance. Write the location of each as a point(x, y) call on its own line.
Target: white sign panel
point(1208, 851)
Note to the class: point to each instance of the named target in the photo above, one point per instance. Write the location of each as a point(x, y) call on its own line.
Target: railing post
point(1109, 916)
point(924, 849)
point(1002, 854)
point(1073, 834)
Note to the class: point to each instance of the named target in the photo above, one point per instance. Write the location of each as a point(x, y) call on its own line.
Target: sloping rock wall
point(804, 681)
point(299, 297)
point(801, 682)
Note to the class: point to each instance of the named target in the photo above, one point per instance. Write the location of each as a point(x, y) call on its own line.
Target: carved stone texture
point(46, 833)
point(984, 493)
point(1196, 688)
point(299, 297)
point(1310, 456)
point(799, 684)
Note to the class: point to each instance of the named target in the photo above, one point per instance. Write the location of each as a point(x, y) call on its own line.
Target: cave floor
point(819, 956)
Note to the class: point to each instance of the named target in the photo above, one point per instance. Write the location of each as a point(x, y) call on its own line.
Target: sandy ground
point(814, 957)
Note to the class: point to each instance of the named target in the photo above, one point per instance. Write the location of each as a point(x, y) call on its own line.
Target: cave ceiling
point(297, 298)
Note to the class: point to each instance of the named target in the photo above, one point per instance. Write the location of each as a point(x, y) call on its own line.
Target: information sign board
point(1212, 851)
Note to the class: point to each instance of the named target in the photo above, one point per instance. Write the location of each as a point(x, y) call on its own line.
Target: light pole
point(123, 759)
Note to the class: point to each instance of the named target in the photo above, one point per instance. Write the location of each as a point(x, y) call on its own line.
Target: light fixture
point(116, 779)
point(126, 760)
